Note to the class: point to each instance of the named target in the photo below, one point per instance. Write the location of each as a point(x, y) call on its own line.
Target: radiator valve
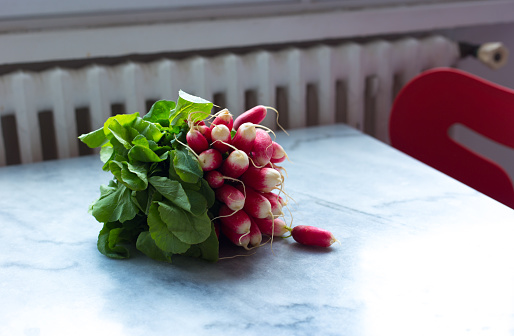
point(492, 54)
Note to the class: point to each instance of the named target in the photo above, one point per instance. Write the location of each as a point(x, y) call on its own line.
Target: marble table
point(419, 254)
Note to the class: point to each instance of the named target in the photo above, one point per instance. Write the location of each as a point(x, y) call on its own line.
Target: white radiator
point(43, 113)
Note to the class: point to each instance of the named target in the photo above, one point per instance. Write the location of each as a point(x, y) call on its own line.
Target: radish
point(262, 150)
point(223, 117)
point(220, 137)
point(310, 235)
point(239, 239)
point(271, 227)
point(206, 131)
point(245, 137)
point(235, 225)
point(210, 159)
point(279, 154)
point(261, 179)
point(275, 202)
point(255, 234)
point(196, 141)
point(254, 115)
point(231, 196)
point(255, 204)
point(238, 221)
point(214, 178)
point(235, 164)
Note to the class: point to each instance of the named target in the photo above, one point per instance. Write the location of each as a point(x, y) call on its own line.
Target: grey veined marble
point(419, 254)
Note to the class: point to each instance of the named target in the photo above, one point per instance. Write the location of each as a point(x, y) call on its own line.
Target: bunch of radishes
point(239, 159)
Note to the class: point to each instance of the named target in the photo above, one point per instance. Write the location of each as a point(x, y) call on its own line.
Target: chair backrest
point(431, 103)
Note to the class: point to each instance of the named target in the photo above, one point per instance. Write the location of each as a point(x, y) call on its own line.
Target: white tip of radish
point(273, 179)
point(220, 132)
point(235, 164)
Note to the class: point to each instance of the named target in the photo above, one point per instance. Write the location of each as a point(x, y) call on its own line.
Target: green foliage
point(157, 200)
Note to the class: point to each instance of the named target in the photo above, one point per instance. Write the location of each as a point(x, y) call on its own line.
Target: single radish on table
point(310, 235)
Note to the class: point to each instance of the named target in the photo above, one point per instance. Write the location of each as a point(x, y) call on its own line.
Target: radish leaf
point(149, 130)
point(197, 201)
point(210, 247)
point(123, 120)
point(164, 239)
point(114, 204)
point(131, 175)
point(107, 241)
point(144, 154)
point(172, 190)
point(187, 166)
point(187, 227)
point(160, 110)
point(147, 245)
point(158, 199)
point(94, 139)
point(187, 104)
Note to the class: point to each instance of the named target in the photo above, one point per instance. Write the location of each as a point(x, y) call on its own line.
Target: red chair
point(435, 100)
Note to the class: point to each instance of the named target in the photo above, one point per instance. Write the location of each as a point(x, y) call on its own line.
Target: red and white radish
point(255, 234)
point(206, 131)
point(231, 197)
point(221, 138)
point(262, 150)
point(279, 154)
point(245, 137)
point(254, 115)
point(235, 164)
point(271, 227)
point(223, 117)
point(210, 159)
point(235, 226)
point(261, 179)
point(214, 178)
point(196, 141)
point(238, 239)
point(275, 202)
point(237, 221)
point(256, 205)
point(310, 235)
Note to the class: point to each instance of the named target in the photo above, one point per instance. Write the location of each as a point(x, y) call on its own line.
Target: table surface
point(419, 254)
